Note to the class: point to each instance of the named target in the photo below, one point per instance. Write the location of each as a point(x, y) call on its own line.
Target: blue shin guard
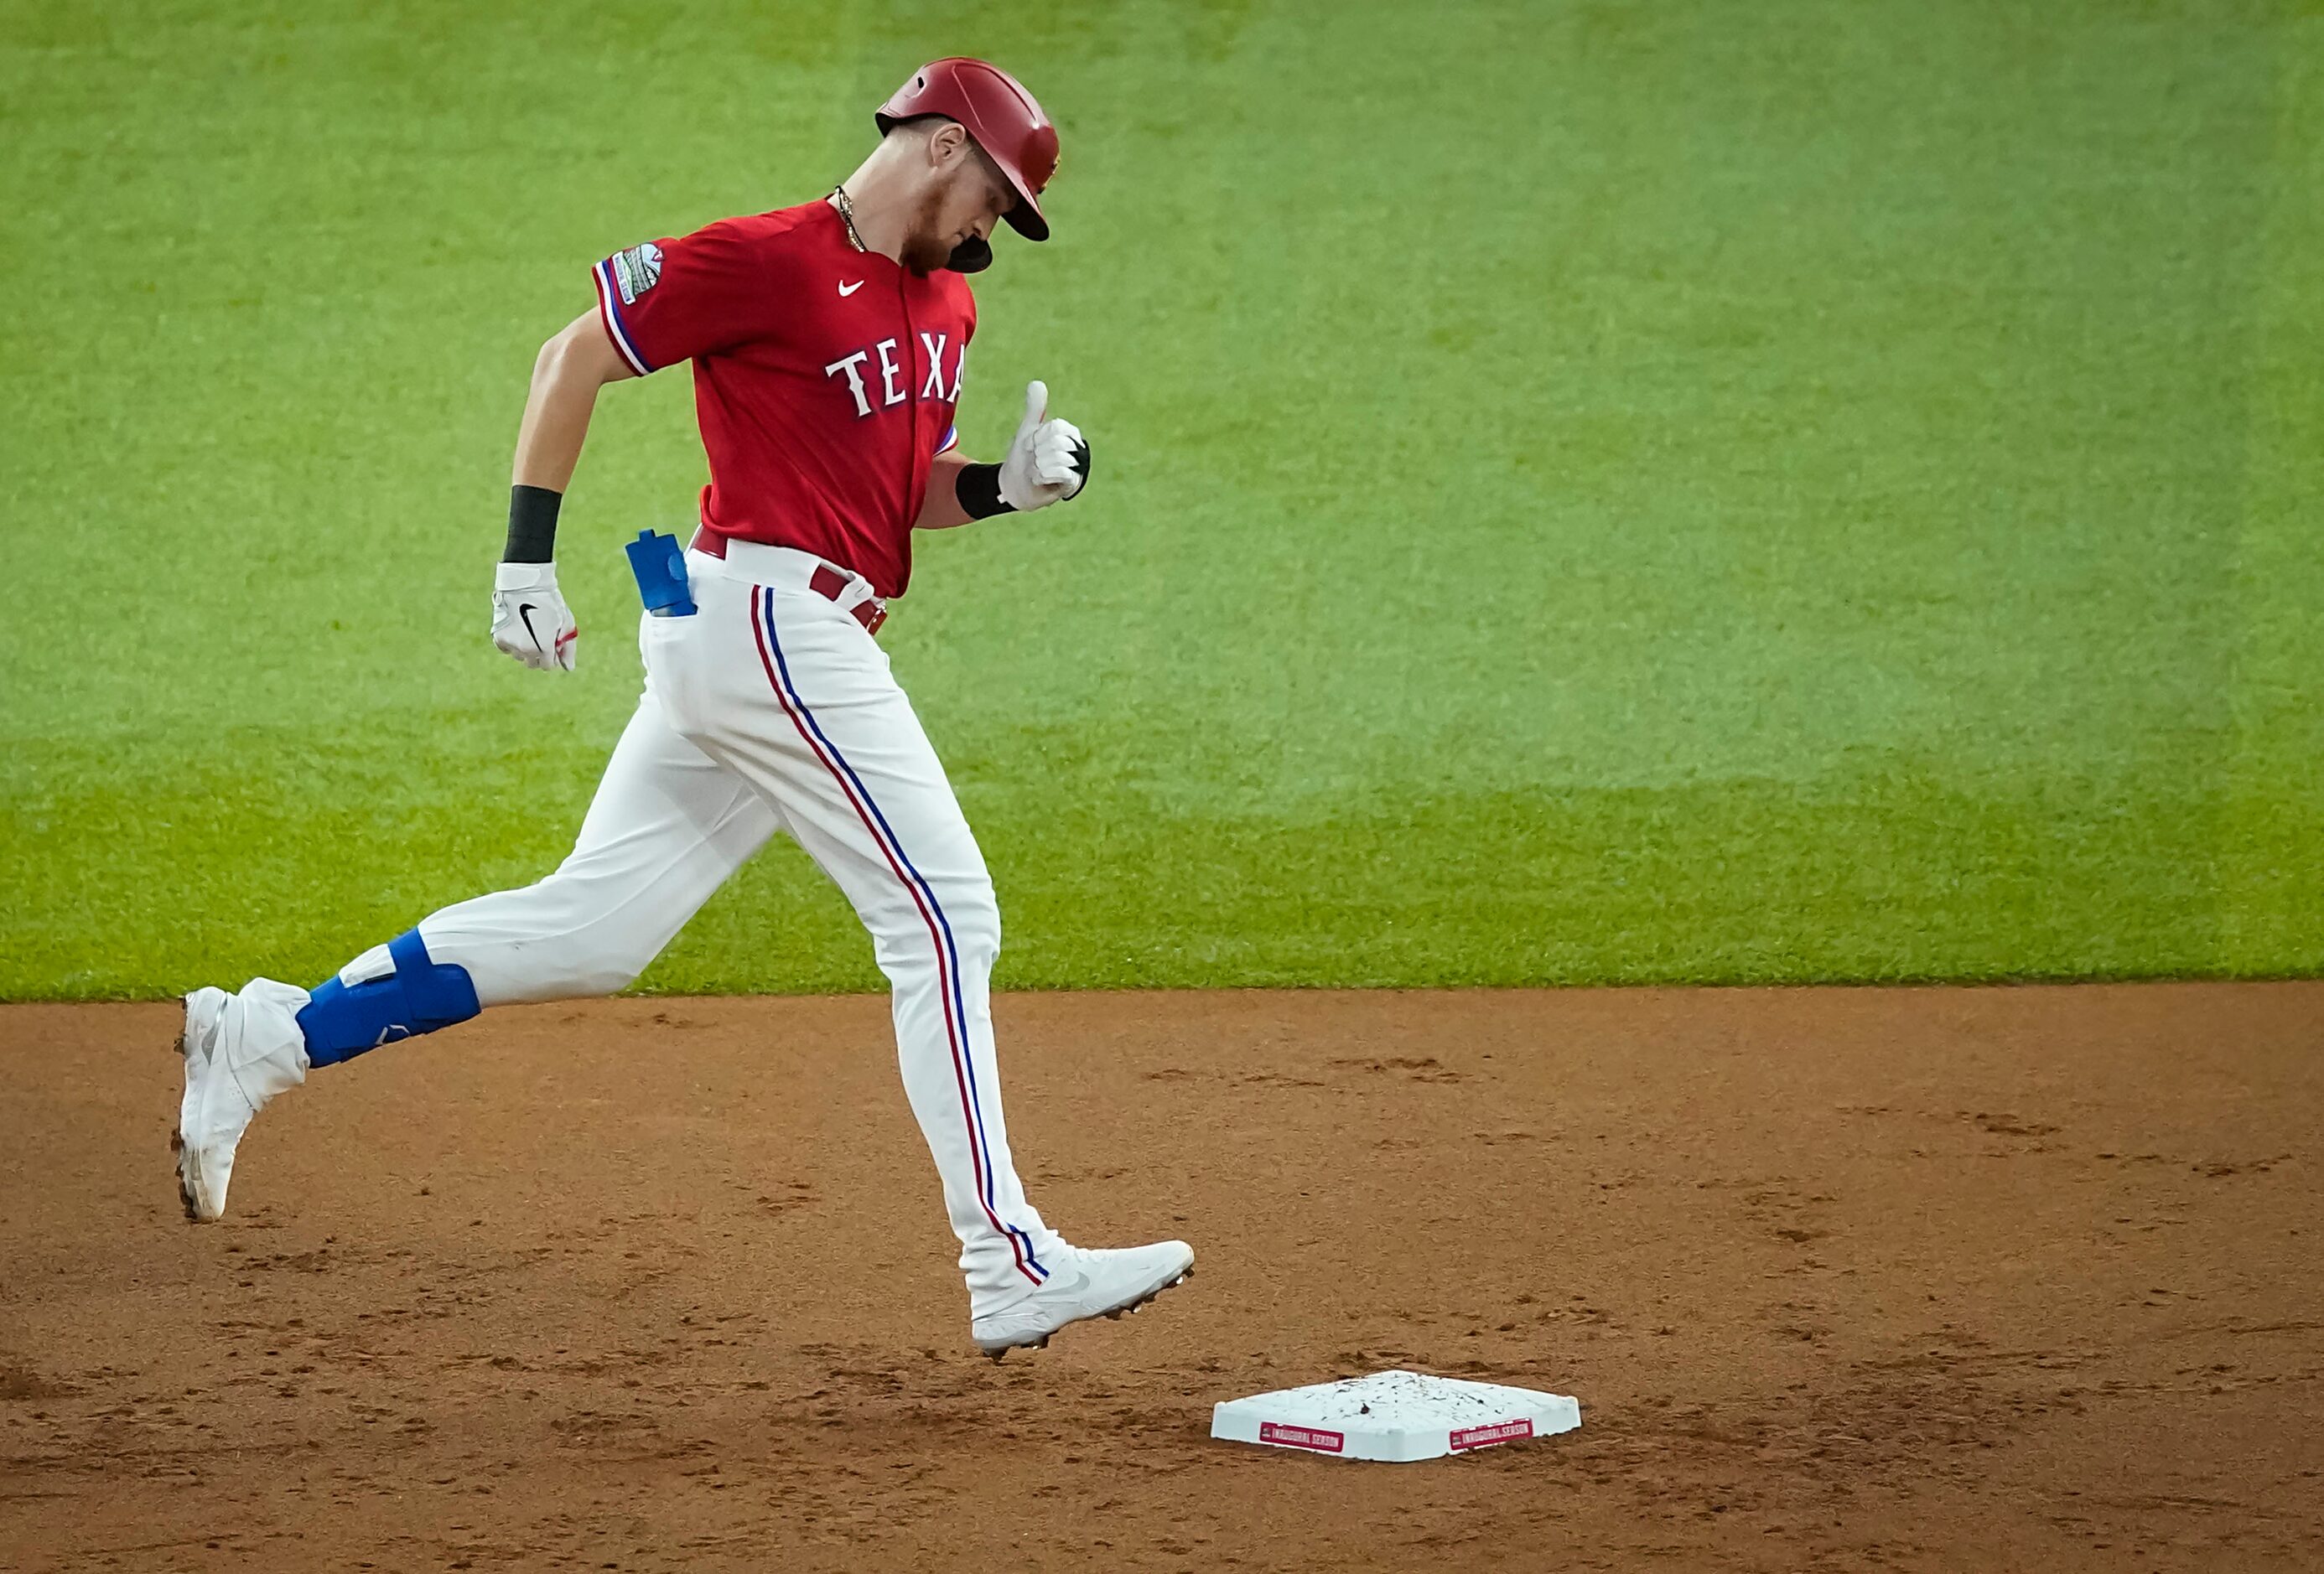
point(419, 997)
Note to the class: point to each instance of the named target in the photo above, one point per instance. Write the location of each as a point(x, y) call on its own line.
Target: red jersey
point(825, 378)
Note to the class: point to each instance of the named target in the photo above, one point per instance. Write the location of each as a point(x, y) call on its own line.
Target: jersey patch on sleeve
point(636, 271)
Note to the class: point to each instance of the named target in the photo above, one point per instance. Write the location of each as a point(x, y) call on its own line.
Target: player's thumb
point(1037, 406)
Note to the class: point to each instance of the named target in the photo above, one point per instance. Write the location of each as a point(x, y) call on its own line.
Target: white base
point(1395, 1415)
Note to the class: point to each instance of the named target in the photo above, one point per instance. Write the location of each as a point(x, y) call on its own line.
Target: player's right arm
point(530, 621)
point(566, 377)
point(660, 303)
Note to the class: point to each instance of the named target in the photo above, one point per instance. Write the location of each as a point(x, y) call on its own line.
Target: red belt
point(830, 585)
point(827, 582)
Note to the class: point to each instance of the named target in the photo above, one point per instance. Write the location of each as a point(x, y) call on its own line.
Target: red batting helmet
point(994, 108)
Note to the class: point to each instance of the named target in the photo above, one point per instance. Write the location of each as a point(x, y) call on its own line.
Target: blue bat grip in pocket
point(660, 564)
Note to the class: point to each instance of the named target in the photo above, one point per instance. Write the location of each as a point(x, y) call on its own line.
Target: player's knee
point(600, 942)
point(596, 955)
point(973, 914)
point(946, 921)
point(607, 971)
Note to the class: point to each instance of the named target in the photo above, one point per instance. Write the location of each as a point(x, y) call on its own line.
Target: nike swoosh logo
point(524, 611)
point(847, 289)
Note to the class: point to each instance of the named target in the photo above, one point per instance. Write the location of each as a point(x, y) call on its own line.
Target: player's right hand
point(530, 621)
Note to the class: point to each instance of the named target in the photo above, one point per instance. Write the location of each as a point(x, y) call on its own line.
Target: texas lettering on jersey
point(825, 378)
point(891, 390)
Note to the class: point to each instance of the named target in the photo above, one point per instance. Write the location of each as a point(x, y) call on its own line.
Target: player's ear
point(945, 143)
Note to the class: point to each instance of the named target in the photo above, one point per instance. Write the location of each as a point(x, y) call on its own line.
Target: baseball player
point(829, 343)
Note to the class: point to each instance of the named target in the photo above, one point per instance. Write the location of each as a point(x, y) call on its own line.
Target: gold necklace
point(847, 217)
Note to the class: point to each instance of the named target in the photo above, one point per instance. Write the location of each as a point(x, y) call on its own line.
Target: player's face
point(963, 204)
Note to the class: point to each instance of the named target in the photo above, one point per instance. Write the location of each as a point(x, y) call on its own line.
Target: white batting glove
point(1047, 462)
point(530, 621)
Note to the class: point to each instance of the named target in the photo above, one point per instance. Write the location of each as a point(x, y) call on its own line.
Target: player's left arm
point(942, 508)
point(1049, 461)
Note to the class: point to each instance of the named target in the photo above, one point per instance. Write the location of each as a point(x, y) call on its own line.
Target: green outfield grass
point(1584, 492)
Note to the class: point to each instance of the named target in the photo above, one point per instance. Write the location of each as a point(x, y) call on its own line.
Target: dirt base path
point(1905, 1279)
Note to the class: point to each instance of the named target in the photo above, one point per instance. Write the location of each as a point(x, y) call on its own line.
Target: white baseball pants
point(771, 708)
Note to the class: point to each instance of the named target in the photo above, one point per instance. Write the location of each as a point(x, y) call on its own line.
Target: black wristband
point(533, 525)
point(978, 488)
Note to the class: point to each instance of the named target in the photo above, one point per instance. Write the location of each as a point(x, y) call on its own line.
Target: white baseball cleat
point(240, 1052)
point(1083, 1285)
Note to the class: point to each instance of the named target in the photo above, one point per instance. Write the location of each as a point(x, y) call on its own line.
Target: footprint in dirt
point(2005, 1124)
point(20, 1381)
point(796, 1195)
point(1425, 1068)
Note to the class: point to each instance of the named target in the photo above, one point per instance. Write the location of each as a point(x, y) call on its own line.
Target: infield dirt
point(1845, 1279)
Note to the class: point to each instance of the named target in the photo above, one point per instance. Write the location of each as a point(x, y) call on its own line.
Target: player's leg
point(811, 714)
point(667, 826)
